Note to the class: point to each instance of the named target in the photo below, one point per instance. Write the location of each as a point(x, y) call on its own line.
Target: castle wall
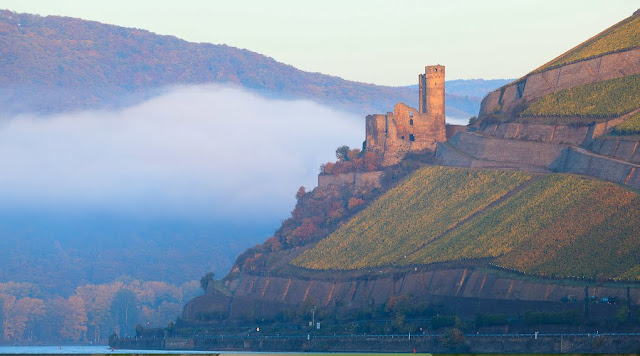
point(408, 129)
point(405, 130)
point(358, 179)
point(609, 66)
point(376, 133)
point(452, 130)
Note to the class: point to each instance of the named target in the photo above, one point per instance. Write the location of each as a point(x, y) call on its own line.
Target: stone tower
point(406, 129)
point(432, 92)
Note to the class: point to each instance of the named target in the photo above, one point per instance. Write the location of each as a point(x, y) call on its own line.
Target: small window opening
point(402, 137)
point(410, 113)
point(436, 69)
point(412, 138)
point(411, 122)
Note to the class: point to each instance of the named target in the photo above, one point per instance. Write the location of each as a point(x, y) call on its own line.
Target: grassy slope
point(585, 104)
point(604, 99)
point(561, 225)
point(619, 37)
point(630, 126)
point(424, 206)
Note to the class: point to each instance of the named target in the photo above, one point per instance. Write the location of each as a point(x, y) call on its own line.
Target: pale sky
point(376, 41)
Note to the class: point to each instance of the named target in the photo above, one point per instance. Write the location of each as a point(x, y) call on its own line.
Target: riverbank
point(432, 343)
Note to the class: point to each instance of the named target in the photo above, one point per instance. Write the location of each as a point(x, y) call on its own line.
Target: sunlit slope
point(630, 126)
point(622, 36)
point(598, 100)
point(559, 225)
point(431, 201)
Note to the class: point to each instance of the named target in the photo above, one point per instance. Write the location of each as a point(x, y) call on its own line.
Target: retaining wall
point(534, 86)
point(357, 179)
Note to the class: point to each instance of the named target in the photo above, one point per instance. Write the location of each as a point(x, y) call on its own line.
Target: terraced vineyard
point(630, 126)
point(424, 206)
point(599, 100)
point(559, 225)
point(622, 36)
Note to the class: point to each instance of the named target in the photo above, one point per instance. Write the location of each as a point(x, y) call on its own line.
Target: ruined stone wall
point(452, 130)
point(408, 129)
point(534, 86)
point(405, 130)
point(358, 179)
point(376, 133)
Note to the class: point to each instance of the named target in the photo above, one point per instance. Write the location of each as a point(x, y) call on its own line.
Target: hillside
point(599, 100)
point(522, 213)
point(425, 206)
point(558, 225)
point(592, 82)
point(619, 37)
point(53, 63)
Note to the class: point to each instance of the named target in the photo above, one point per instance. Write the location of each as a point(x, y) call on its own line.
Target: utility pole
point(628, 303)
point(586, 302)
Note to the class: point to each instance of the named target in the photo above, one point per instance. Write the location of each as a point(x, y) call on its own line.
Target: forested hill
point(52, 63)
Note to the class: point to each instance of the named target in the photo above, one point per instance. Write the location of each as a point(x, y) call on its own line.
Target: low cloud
point(197, 152)
point(457, 121)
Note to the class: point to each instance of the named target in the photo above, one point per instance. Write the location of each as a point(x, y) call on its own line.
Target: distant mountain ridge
point(53, 63)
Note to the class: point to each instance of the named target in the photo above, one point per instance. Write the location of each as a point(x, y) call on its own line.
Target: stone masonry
point(407, 129)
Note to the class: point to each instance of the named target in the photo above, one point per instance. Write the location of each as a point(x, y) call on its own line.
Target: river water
point(91, 350)
point(84, 350)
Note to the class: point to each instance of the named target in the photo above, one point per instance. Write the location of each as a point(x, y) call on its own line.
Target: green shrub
point(442, 321)
point(573, 317)
point(491, 319)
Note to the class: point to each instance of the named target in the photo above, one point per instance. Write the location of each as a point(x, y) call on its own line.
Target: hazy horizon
point(374, 42)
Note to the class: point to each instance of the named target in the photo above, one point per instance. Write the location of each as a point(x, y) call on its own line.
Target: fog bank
point(197, 152)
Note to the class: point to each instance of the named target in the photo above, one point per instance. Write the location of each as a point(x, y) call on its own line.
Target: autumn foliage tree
point(352, 160)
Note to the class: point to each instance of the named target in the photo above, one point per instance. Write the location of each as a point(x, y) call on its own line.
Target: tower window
point(402, 137)
point(410, 113)
point(412, 138)
point(436, 69)
point(411, 122)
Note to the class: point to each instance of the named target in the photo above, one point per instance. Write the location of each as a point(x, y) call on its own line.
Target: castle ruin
point(407, 129)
